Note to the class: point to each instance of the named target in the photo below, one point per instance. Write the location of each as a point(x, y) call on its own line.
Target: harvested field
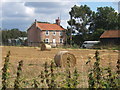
point(34, 58)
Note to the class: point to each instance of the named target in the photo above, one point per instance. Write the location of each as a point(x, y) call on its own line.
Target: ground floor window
point(46, 40)
point(61, 40)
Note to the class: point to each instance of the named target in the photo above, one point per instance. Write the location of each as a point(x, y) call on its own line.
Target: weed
point(5, 72)
point(18, 78)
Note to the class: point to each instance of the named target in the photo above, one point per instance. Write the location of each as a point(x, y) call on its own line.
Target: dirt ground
point(34, 59)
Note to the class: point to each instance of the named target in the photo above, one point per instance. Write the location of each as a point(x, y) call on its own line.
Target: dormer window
point(47, 33)
point(54, 33)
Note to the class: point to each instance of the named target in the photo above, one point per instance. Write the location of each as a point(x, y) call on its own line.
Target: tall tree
point(81, 17)
point(106, 18)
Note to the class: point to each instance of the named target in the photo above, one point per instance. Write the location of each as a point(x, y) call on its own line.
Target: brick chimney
point(58, 21)
point(35, 22)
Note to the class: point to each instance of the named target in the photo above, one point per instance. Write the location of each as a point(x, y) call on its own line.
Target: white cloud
point(30, 11)
point(16, 15)
point(12, 10)
point(24, 13)
point(49, 11)
point(21, 14)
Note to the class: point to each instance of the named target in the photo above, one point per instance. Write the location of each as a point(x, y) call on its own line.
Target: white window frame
point(54, 33)
point(61, 39)
point(46, 33)
point(60, 33)
point(46, 40)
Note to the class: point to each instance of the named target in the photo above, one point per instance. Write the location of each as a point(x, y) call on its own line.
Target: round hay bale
point(45, 47)
point(64, 58)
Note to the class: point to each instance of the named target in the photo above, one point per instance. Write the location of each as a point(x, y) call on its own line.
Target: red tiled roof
point(111, 34)
point(47, 26)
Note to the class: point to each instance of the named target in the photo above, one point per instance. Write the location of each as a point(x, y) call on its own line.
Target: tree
point(106, 18)
point(96, 34)
point(119, 21)
point(81, 17)
point(12, 34)
point(89, 24)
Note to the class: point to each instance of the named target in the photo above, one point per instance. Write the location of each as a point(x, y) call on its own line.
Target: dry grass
point(33, 60)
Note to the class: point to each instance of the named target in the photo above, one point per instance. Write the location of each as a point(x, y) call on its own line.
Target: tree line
point(12, 34)
point(86, 24)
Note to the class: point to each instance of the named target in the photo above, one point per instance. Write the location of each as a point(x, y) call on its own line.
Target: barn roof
point(111, 34)
point(48, 26)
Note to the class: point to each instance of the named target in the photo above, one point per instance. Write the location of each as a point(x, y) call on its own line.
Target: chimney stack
point(35, 22)
point(58, 21)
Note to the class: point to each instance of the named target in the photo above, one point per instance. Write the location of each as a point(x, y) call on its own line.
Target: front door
point(54, 41)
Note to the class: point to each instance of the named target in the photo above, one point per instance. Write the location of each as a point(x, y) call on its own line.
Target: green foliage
point(71, 77)
point(118, 72)
point(102, 78)
point(42, 79)
point(46, 74)
point(75, 78)
point(12, 34)
point(96, 75)
point(118, 67)
point(111, 79)
point(52, 76)
point(78, 39)
point(18, 78)
point(106, 18)
point(96, 34)
point(35, 83)
point(82, 16)
point(119, 21)
point(91, 80)
point(5, 72)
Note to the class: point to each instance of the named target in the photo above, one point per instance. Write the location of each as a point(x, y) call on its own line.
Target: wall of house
point(51, 36)
point(34, 36)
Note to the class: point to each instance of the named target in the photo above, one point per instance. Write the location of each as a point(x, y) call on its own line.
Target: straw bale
point(45, 47)
point(63, 58)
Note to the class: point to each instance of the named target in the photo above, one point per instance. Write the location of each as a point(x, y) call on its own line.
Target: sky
point(22, 13)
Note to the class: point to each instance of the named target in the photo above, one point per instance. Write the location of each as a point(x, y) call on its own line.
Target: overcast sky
point(21, 13)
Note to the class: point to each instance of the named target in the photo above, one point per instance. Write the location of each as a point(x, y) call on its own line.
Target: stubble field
point(33, 59)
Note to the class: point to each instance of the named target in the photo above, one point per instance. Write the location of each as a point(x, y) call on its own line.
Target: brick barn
point(49, 33)
point(110, 37)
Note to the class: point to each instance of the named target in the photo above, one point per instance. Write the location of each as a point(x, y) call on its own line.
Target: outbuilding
point(110, 37)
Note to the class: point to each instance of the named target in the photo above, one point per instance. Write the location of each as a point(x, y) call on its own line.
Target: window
point(61, 40)
point(46, 40)
point(61, 33)
point(47, 33)
point(54, 33)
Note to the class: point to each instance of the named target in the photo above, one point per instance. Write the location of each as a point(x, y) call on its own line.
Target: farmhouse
point(49, 33)
point(110, 37)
